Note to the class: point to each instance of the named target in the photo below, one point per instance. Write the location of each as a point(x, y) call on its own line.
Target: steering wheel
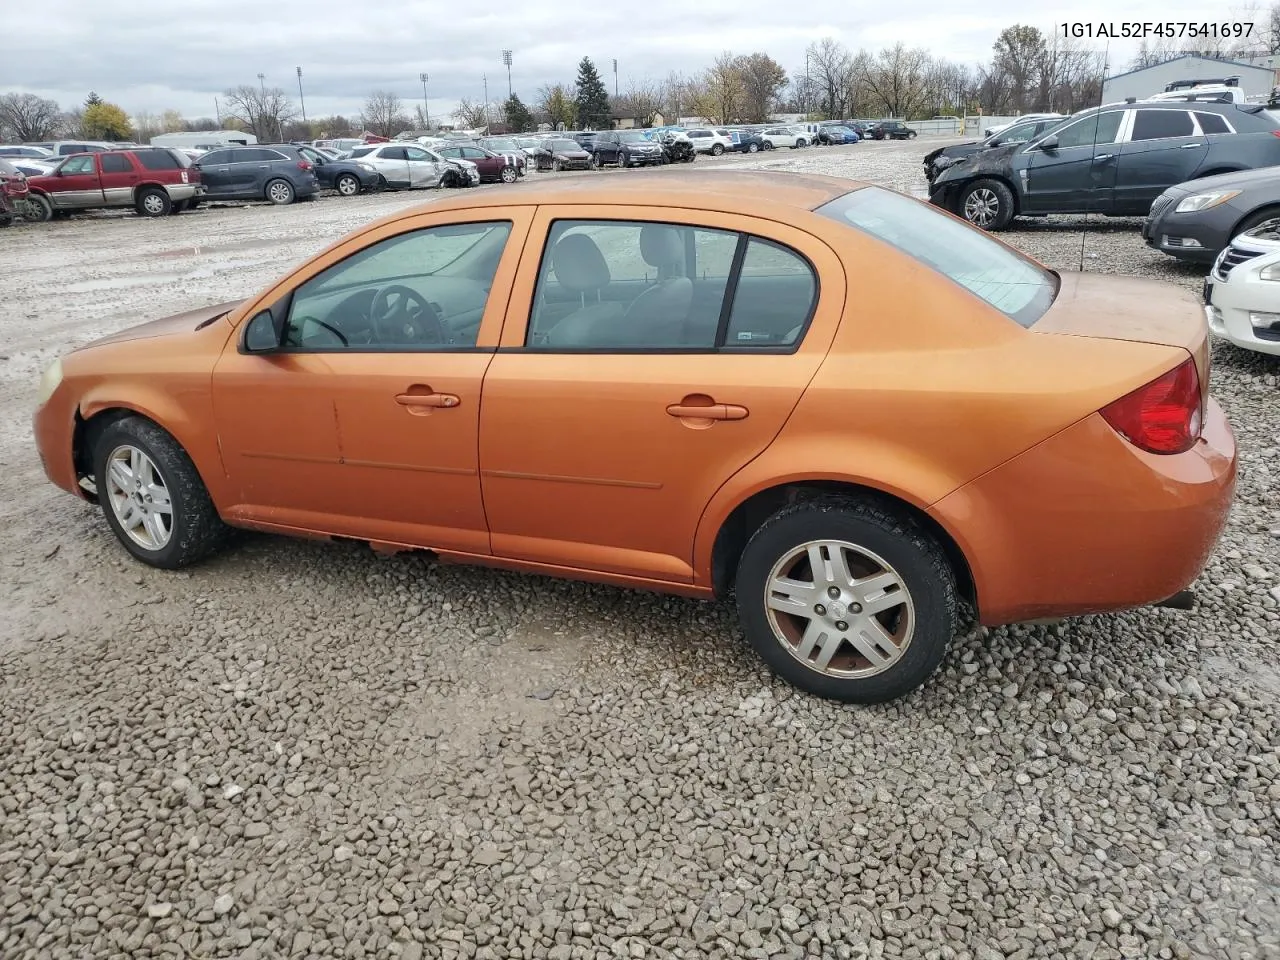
point(400, 314)
point(300, 324)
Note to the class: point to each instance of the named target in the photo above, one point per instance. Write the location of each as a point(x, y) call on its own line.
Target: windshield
point(565, 145)
point(7, 168)
point(1015, 285)
point(844, 130)
point(362, 152)
point(500, 145)
point(632, 136)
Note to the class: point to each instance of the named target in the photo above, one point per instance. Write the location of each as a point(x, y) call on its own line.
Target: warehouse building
point(1255, 81)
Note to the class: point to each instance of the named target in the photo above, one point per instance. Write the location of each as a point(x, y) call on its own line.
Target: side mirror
point(263, 334)
point(1049, 143)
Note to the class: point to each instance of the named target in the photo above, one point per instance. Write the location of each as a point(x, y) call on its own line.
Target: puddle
point(200, 251)
point(118, 283)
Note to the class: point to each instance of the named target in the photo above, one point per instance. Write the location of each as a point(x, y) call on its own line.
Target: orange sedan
point(853, 411)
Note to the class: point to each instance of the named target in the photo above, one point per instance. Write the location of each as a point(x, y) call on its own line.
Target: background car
point(65, 148)
point(492, 167)
point(509, 148)
point(1195, 220)
point(1001, 127)
point(562, 153)
point(706, 140)
point(1242, 291)
point(776, 137)
point(278, 174)
point(408, 166)
point(626, 148)
point(701, 347)
point(746, 141)
point(19, 151)
point(347, 177)
point(13, 193)
point(154, 181)
point(831, 134)
point(1114, 160)
point(935, 161)
point(891, 130)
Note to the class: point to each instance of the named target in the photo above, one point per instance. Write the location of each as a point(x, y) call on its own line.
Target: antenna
point(1097, 120)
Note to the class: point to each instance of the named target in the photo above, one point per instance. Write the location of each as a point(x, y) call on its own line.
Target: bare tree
point(721, 97)
point(471, 113)
point(383, 114)
point(641, 100)
point(146, 126)
point(1019, 52)
point(24, 116)
point(994, 91)
point(762, 79)
point(827, 65)
point(264, 113)
point(676, 95)
point(896, 79)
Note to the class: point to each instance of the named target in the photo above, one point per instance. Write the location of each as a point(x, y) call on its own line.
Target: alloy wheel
point(839, 609)
point(139, 497)
point(981, 207)
point(280, 192)
point(153, 203)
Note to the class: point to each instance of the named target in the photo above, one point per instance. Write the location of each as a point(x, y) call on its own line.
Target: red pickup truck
point(153, 180)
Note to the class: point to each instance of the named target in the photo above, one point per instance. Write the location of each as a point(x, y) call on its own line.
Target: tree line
point(1027, 71)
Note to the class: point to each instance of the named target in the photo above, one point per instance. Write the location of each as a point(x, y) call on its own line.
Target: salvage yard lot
point(302, 749)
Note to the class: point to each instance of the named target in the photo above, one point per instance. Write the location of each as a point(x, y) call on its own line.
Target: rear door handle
point(427, 400)
point(1190, 146)
point(1104, 156)
point(715, 411)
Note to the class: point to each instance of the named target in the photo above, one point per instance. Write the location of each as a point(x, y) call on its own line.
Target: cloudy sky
point(181, 55)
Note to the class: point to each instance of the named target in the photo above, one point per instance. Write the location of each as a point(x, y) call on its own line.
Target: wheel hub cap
point(138, 497)
point(981, 207)
point(840, 609)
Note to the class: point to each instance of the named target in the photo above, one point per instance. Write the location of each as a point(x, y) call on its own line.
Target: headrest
point(661, 245)
point(579, 264)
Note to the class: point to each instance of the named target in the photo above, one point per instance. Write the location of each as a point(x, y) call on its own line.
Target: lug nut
point(855, 608)
point(833, 592)
point(820, 610)
point(841, 625)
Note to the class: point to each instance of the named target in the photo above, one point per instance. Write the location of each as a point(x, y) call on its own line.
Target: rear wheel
point(280, 192)
point(717, 149)
point(846, 599)
point(152, 202)
point(509, 174)
point(987, 204)
point(768, 144)
point(753, 148)
point(348, 184)
point(152, 495)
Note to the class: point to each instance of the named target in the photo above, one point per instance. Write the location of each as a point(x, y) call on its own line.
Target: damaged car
point(935, 161)
point(1114, 160)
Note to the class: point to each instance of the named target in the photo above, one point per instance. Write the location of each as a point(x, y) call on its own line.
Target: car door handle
point(1190, 146)
point(714, 411)
point(427, 400)
point(1103, 156)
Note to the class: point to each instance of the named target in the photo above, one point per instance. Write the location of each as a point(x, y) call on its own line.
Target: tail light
point(304, 164)
point(1162, 417)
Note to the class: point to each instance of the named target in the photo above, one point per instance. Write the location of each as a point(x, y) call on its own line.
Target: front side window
point(422, 290)
point(417, 153)
point(78, 165)
point(1011, 283)
point(1099, 128)
point(1161, 124)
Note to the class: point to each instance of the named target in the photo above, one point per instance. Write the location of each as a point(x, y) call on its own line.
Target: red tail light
point(1162, 417)
point(304, 164)
point(1275, 133)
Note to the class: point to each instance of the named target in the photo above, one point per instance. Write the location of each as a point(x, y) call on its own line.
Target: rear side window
point(116, 163)
point(1162, 125)
point(1013, 284)
point(394, 153)
point(158, 160)
point(1212, 123)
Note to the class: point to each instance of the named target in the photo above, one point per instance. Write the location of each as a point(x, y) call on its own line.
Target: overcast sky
point(158, 54)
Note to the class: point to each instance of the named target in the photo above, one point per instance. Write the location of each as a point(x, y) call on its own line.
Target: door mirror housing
point(1049, 143)
point(262, 334)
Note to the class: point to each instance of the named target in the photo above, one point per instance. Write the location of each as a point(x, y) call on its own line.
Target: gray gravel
point(304, 750)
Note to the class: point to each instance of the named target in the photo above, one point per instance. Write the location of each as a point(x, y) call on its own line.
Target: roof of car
point(732, 191)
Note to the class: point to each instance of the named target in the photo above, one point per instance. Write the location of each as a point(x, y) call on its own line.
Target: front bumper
point(54, 424)
point(1193, 237)
point(1085, 522)
point(1245, 309)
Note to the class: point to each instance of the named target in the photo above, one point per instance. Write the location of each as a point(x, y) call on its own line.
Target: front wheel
point(348, 185)
point(987, 204)
point(39, 209)
point(717, 149)
point(556, 166)
point(847, 600)
point(152, 495)
point(753, 148)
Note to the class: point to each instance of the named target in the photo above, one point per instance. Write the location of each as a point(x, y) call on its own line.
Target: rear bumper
point(1087, 523)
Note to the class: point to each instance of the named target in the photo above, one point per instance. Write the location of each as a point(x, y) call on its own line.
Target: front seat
point(580, 267)
point(659, 314)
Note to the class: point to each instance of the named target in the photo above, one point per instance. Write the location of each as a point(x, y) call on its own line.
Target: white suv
point(786, 137)
point(706, 140)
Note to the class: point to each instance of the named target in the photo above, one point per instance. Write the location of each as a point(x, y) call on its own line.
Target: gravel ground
point(304, 750)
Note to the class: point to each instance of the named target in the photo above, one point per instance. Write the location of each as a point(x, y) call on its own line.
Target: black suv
point(278, 173)
point(890, 130)
point(626, 148)
point(1114, 160)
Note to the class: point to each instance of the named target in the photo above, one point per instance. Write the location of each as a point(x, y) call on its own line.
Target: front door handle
point(714, 411)
point(1190, 146)
point(1103, 156)
point(427, 400)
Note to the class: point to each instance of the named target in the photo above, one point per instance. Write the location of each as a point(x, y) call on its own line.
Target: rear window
point(1013, 284)
point(158, 160)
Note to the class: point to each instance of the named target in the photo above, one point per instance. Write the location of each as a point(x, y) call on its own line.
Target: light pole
point(506, 58)
point(426, 108)
point(301, 98)
point(262, 104)
point(615, 78)
point(485, 78)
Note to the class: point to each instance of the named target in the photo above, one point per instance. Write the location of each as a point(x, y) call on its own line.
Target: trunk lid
point(1127, 308)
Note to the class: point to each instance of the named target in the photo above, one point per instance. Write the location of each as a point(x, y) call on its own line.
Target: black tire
point(717, 149)
point(347, 184)
point(768, 144)
point(279, 192)
point(195, 529)
point(976, 200)
point(193, 203)
point(901, 544)
point(753, 148)
point(5, 220)
point(178, 206)
point(624, 160)
point(381, 183)
point(39, 209)
point(152, 202)
point(1255, 218)
point(509, 174)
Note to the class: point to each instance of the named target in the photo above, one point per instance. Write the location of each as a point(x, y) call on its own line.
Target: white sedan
point(405, 165)
point(1242, 291)
point(777, 137)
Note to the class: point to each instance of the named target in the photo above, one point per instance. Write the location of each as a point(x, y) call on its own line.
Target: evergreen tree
point(518, 117)
point(593, 98)
point(93, 100)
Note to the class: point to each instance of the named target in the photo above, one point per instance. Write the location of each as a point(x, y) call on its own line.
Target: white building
point(1255, 81)
point(203, 139)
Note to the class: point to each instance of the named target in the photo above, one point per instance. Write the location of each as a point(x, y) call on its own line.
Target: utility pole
point(262, 105)
point(301, 98)
point(506, 58)
point(485, 77)
point(426, 107)
point(615, 78)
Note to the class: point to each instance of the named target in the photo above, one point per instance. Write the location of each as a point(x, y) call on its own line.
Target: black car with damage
point(1114, 160)
point(935, 161)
